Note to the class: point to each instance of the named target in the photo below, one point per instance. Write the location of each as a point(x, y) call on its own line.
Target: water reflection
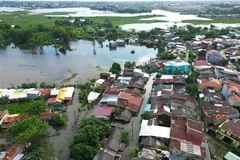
point(45, 66)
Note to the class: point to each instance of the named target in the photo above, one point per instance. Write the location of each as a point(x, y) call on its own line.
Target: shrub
point(125, 137)
point(145, 115)
point(57, 120)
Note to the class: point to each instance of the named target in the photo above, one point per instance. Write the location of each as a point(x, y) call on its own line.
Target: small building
point(13, 152)
point(231, 156)
point(125, 116)
point(232, 94)
point(113, 146)
point(222, 72)
point(201, 64)
point(229, 132)
point(209, 82)
point(176, 65)
point(109, 100)
point(54, 92)
point(112, 44)
point(138, 72)
point(102, 112)
point(99, 82)
point(150, 130)
point(149, 142)
point(120, 42)
point(33, 94)
point(214, 57)
point(92, 96)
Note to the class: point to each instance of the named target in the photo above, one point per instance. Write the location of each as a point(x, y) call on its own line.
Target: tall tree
point(81, 151)
point(89, 135)
point(29, 130)
point(104, 128)
point(35, 107)
point(116, 68)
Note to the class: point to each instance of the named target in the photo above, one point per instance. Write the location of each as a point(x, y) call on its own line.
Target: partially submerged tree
point(125, 137)
point(145, 115)
point(129, 64)
point(29, 130)
point(115, 69)
point(57, 120)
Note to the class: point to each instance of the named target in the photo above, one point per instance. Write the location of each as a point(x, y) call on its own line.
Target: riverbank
point(46, 66)
point(25, 19)
point(214, 21)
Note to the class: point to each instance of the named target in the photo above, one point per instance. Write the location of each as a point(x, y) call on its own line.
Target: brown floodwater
point(43, 65)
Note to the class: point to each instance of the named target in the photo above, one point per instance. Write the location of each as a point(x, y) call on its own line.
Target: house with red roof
point(214, 57)
point(232, 94)
point(102, 112)
point(229, 132)
point(186, 138)
point(13, 152)
point(129, 102)
point(201, 64)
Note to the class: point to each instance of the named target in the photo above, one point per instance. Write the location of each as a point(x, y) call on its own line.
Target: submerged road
point(60, 138)
point(134, 125)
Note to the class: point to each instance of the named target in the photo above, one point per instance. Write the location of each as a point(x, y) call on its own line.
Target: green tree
point(57, 120)
point(192, 89)
point(116, 68)
point(117, 110)
point(224, 62)
point(104, 128)
point(125, 137)
point(81, 151)
point(145, 115)
point(29, 130)
point(36, 154)
point(133, 151)
point(98, 89)
point(88, 135)
point(35, 107)
point(129, 64)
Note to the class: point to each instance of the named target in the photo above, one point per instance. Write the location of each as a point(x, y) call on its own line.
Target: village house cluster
point(214, 110)
point(56, 97)
point(174, 124)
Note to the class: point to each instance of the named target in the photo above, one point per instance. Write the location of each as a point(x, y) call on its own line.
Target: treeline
point(233, 10)
point(61, 32)
point(130, 10)
point(190, 32)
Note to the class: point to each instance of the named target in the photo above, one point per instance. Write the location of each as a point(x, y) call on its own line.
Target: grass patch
point(125, 20)
point(20, 107)
point(221, 20)
point(58, 13)
point(25, 19)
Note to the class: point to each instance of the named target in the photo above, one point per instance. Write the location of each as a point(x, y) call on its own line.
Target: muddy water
point(43, 65)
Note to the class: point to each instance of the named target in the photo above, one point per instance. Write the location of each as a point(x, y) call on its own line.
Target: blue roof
point(148, 107)
point(21, 89)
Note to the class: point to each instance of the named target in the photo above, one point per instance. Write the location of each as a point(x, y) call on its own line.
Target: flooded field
point(43, 65)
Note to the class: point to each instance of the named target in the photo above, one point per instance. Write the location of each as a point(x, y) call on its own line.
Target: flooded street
point(60, 138)
point(43, 65)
